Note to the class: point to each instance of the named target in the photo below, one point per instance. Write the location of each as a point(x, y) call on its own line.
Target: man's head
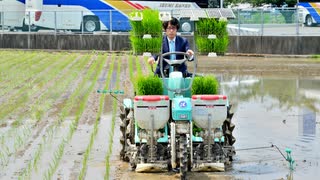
point(171, 27)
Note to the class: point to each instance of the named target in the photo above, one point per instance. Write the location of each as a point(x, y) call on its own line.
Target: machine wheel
point(309, 20)
point(124, 134)
point(228, 128)
point(131, 132)
point(91, 23)
point(123, 142)
point(183, 156)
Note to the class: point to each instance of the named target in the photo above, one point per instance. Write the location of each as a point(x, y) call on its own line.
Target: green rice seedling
point(93, 135)
point(205, 85)
point(151, 22)
point(130, 66)
point(93, 72)
point(138, 66)
point(30, 88)
point(37, 157)
point(151, 25)
point(209, 26)
point(148, 85)
point(39, 151)
point(111, 134)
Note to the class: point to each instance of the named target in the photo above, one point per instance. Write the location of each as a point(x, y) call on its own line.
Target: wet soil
point(260, 114)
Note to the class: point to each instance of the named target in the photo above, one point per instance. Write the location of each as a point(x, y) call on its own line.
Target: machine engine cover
point(209, 106)
point(148, 107)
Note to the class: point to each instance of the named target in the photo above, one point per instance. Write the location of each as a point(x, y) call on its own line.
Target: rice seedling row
point(60, 112)
point(48, 131)
point(11, 71)
point(138, 65)
point(11, 61)
point(38, 109)
point(95, 128)
point(21, 96)
point(82, 123)
point(74, 96)
point(5, 69)
point(114, 113)
point(91, 77)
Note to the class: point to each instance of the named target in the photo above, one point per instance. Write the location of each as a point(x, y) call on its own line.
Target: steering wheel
point(170, 62)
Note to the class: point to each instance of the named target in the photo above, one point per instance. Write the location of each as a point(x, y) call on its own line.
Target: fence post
point(238, 22)
point(110, 38)
point(29, 26)
point(2, 20)
point(82, 23)
point(262, 21)
point(297, 20)
point(55, 22)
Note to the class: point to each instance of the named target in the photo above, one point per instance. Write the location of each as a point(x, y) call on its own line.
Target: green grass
point(316, 56)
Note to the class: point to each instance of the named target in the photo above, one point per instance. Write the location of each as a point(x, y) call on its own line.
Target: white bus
point(93, 15)
point(12, 14)
point(309, 12)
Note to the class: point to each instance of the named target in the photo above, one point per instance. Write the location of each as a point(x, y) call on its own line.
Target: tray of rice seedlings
point(205, 85)
point(148, 85)
point(149, 26)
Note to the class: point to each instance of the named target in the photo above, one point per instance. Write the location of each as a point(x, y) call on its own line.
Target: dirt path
point(259, 65)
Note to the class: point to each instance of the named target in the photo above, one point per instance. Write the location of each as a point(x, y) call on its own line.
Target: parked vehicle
point(308, 11)
point(93, 15)
point(11, 14)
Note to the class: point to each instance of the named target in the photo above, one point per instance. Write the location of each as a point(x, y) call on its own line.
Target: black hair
point(173, 21)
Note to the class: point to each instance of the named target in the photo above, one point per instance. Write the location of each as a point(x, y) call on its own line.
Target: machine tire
point(183, 156)
point(123, 138)
point(131, 131)
point(228, 128)
point(91, 24)
point(309, 21)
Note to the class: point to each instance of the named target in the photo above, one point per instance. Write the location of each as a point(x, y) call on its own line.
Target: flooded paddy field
point(54, 124)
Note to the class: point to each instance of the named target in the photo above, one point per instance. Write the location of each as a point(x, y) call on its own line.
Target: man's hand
point(190, 53)
point(151, 60)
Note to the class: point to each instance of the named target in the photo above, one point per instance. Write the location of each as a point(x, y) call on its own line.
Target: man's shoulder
point(181, 39)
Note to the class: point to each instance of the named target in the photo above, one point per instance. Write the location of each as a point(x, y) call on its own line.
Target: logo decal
point(182, 104)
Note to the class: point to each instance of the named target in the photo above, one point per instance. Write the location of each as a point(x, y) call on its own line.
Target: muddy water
point(274, 110)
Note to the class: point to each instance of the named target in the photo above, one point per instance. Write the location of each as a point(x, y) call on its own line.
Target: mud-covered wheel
point(228, 128)
point(133, 166)
point(183, 157)
point(123, 142)
point(124, 133)
point(131, 130)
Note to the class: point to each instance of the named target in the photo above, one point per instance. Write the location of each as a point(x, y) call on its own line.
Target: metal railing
point(247, 22)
